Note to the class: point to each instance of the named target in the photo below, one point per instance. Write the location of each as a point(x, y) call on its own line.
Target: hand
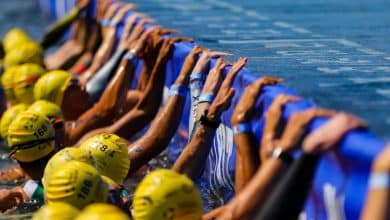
point(167, 47)
point(112, 9)
point(188, 65)
point(82, 4)
point(244, 108)
point(10, 198)
point(138, 29)
point(296, 127)
point(215, 77)
point(12, 173)
point(272, 119)
point(225, 94)
point(139, 45)
point(129, 24)
point(207, 55)
point(122, 12)
point(326, 137)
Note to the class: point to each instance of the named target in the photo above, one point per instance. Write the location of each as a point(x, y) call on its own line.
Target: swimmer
point(31, 139)
point(77, 107)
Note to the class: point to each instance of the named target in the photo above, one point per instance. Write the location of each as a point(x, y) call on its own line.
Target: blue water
point(336, 53)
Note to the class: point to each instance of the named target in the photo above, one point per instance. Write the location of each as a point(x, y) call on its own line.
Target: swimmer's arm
point(293, 189)
point(58, 29)
point(378, 199)
point(10, 198)
point(166, 122)
point(272, 169)
point(102, 113)
point(105, 50)
point(247, 159)
point(192, 160)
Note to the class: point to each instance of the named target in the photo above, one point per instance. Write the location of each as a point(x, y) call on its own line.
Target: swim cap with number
point(63, 156)
point(52, 85)
point(76, 183)
point(101, 211)
point(24, 81)
point(56, 211)
point(9, 116)
point(165, 194)
point(30, 137)
point(110, 152)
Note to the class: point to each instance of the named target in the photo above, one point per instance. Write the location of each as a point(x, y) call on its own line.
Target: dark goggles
point(28, 145)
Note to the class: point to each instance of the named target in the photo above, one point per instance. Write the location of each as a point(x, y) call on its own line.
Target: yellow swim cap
point(110, 152)
point(57, 211)
point(63, 156)
point(102, 211)
point(7, 80)
point(52, 85)
point(14, 38)
point(24, 81)
point(9, 116)
point(165, 194)
point(76, 183)
point(46, 108)
point(27, 52)
point(30, 137)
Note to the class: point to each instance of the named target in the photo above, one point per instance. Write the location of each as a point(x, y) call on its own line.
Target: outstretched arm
point(192, 160)
point(105, 50)
point(167, 121)
point(109, 105)
point(273, 167)
point(58, 29)
point(378, 196)
point(247, 159)
point(289, 196)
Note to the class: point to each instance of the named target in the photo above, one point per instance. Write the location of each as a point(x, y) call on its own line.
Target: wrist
point(209, 119)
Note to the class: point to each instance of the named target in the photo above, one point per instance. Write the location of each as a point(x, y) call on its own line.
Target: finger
point(214, 54)
point(234, 71)
point(168, 31)
point(181, 39)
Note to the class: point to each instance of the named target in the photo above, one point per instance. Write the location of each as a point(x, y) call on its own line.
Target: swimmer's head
point(24, 81)
point(75, 183)
point(46, 108)
point(7, 80)
point(63, 156)
point(51, 86)
point(27, 52)
point(110, 153)
point(57, 211)
point(102, 211)
point(8, 116)
point(13, 38)
point(165, 194)
point(31, 137)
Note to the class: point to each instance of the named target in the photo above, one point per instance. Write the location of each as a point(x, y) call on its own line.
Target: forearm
point(146, 108)
point(288, 198)
point(102, 55)
point(106, 109)
point(58, 29)
point(99, 81)
point(192, 160)
point(378, 197)
point(247, 160)
point(159, 134)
